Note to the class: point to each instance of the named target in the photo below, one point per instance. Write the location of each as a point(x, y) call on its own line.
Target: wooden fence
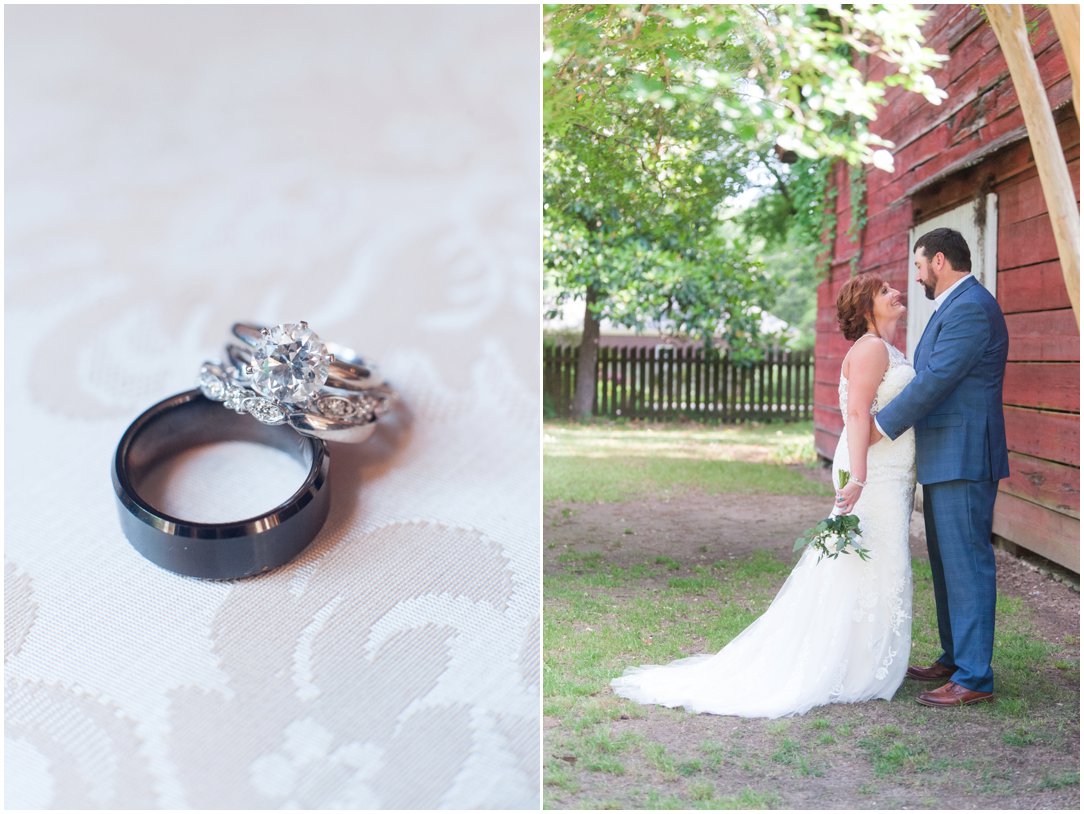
point(665, 383)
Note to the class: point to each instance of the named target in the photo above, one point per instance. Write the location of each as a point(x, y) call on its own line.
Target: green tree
point(655, 118)
point(785, 227)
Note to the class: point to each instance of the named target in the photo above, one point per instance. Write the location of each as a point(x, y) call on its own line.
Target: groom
point(954, 404)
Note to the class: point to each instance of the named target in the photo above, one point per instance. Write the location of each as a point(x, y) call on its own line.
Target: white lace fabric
point(838, 631)
point(374, 171)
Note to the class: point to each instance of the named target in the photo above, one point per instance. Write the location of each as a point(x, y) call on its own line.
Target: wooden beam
point(1066, 19)
point(1007, 20)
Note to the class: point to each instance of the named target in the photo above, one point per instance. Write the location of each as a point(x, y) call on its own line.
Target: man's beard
point(930, 287)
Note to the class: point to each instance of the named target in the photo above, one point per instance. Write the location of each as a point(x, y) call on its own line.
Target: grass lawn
point(602, 615)
point(615, 462)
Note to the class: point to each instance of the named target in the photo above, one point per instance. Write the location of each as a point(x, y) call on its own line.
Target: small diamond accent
point(369, 407)
point(235, 398)
point(211, 384)
point(266, 411)
point(335, 407)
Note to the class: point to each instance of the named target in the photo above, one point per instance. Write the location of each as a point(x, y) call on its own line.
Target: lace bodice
point(896, 378)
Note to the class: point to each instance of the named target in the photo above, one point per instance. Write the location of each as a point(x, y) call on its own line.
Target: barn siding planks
point(1037, 528)
point(944, 155)
point(1051, 484)
point(1043, 386)
point(1043, 336)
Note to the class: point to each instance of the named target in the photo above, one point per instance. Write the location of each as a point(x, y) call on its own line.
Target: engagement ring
point(289, 354)
point(287, 375)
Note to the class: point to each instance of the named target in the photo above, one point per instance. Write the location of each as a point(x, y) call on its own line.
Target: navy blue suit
point(955, 405)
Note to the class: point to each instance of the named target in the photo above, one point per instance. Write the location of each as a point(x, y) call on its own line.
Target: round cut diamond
point(290, 363)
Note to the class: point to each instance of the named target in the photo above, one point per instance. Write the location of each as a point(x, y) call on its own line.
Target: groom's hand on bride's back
point(874, 433)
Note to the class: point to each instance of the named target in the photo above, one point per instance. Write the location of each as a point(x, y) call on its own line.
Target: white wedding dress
point(839, 630)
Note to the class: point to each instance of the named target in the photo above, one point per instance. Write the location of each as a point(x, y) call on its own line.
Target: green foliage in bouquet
point(835, 535)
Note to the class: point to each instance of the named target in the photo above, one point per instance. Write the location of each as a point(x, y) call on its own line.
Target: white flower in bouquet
point(836, 534)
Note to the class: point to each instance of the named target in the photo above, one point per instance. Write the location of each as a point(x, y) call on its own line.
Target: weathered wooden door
point(979, 228)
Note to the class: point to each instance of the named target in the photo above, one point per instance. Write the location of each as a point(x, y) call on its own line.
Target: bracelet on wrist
point(859, 482)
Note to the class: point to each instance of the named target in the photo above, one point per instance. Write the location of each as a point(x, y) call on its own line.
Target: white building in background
point(568, 326)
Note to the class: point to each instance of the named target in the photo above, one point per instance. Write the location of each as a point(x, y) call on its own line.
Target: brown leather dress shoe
point(935, 672)
point(953, 695)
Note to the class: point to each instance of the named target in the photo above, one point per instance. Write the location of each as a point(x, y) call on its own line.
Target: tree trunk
point(1008, 23)
point(583, 402)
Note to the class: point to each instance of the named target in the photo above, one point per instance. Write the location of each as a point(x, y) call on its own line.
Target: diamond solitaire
point(289, 363)
point(287, 375)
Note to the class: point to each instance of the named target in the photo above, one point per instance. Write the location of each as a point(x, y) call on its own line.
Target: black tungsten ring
point(215, 550)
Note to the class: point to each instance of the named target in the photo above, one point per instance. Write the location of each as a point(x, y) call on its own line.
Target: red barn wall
point(945, 156)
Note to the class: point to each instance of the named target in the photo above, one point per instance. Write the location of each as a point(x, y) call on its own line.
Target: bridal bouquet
point(835, 535)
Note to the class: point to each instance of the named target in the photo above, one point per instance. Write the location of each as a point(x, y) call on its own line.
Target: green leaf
point(658, 119)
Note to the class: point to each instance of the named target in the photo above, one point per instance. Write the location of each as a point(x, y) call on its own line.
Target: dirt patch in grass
point(855, 756)
point(1020, 753)
point(1055, 606)
point(694, 529)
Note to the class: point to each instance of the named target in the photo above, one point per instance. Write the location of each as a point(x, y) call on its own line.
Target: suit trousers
point(959, 517)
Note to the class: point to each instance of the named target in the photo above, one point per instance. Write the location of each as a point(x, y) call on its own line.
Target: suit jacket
point(954, 402)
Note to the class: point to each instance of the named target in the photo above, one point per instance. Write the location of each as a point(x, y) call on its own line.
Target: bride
point(838, 631)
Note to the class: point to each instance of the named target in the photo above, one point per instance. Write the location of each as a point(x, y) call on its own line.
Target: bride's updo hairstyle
point(854, 305)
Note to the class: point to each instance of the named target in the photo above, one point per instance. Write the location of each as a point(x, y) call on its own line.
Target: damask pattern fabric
point(374, 171)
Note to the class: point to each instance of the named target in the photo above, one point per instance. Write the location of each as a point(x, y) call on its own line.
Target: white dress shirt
point(940, 298)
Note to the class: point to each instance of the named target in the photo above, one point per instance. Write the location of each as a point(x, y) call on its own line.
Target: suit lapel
point(938, 315)
point(920, 348)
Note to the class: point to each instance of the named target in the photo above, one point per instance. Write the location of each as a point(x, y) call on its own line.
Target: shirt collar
point(939, 300)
